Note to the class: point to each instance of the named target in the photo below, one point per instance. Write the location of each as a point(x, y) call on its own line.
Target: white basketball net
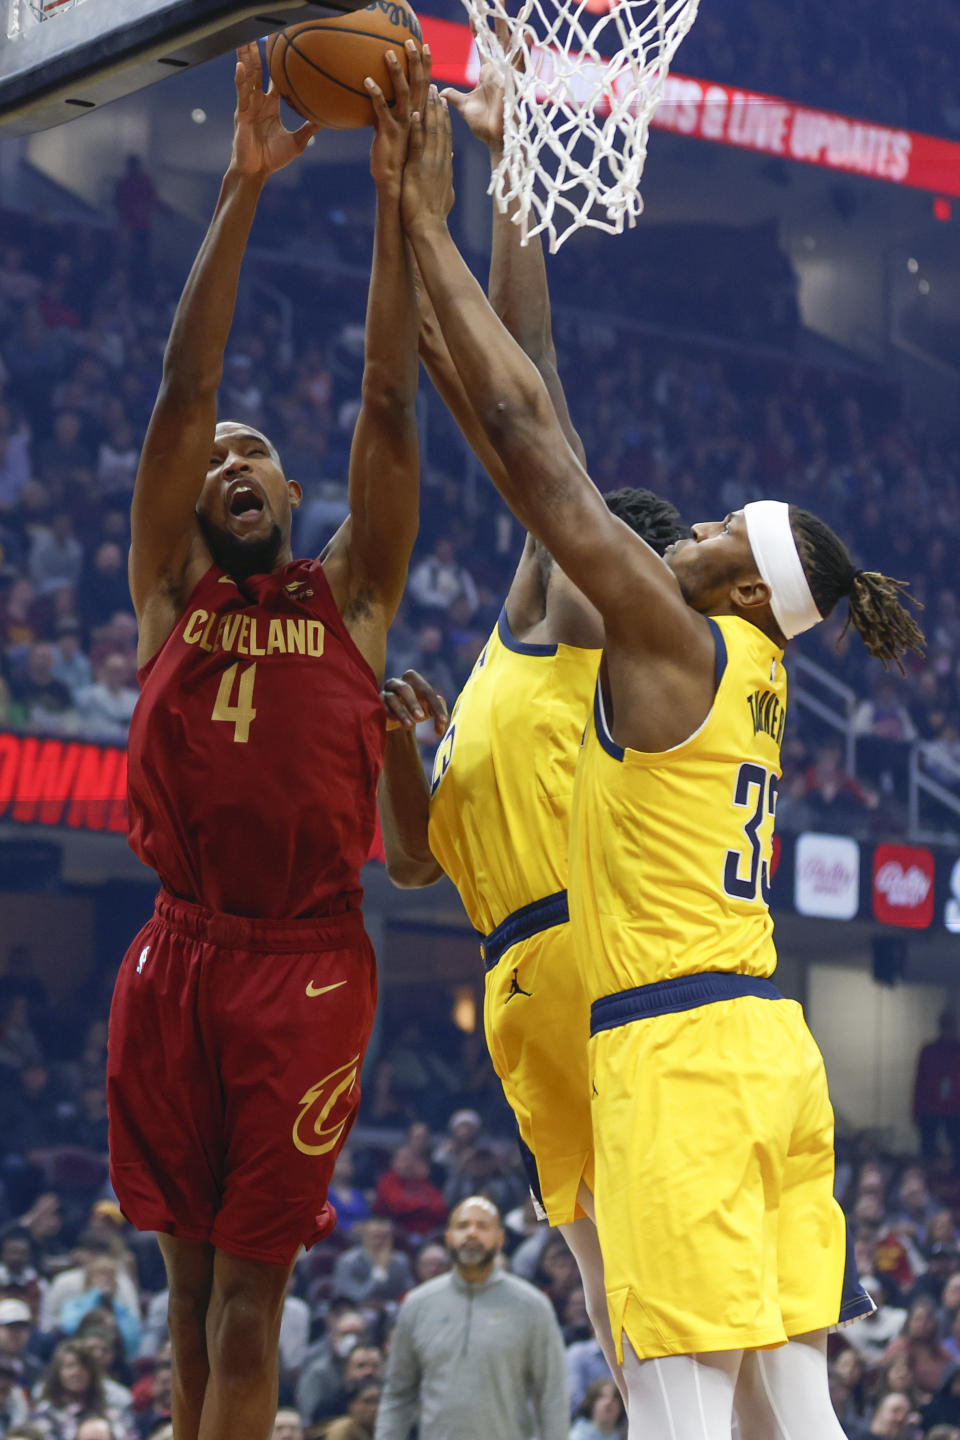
point(570, 97)
point(23, 15)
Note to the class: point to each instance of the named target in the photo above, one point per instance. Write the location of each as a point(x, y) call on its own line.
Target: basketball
point(319, 66)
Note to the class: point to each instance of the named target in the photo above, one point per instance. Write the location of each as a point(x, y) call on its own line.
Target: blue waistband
point(666, 996)
point(521, 924)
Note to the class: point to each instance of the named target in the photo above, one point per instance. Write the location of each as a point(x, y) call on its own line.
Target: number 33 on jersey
point(694, 823)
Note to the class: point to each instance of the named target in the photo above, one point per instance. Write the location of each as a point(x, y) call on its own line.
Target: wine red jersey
point(255, 749)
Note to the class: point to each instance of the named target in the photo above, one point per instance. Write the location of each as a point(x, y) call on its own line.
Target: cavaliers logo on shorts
point(311, 1133)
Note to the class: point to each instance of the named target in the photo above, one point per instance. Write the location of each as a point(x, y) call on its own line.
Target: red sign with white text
point(751, 121)
point(903, 878)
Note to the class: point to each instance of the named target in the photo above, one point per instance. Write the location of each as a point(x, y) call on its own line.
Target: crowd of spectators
point(80, 354)
point(84, 1348)
point(887, 64)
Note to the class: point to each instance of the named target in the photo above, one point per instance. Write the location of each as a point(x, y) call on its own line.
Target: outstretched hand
point(482, 107)
point(261, 142)
point(427, 193)
point(392, 123)
point(411, 700)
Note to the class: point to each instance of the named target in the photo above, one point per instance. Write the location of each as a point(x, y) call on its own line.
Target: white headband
point(775, 551)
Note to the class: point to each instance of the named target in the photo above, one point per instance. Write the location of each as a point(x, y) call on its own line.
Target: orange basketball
point(319, 66)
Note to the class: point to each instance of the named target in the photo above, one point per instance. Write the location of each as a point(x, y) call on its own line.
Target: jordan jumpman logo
point(515, 989)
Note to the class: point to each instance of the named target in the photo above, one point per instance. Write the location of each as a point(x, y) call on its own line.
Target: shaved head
point(479, 1200)
point(237, 428)
point(474, 1237)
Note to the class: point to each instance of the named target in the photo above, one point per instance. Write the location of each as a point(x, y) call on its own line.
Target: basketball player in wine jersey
point(243, 1009)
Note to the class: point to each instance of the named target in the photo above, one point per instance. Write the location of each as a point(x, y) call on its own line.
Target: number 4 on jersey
point(758, 787)
point(242, 713)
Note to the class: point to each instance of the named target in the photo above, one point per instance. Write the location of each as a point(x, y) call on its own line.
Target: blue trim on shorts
point(529, 1161)
point(521, 924)
point(855, 1302)
point(665, 997)
point(520, 647)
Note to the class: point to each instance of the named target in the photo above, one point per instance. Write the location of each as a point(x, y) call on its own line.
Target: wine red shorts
point(233, 1074)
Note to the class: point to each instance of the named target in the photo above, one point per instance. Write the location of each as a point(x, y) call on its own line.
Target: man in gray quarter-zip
point(476, 1354)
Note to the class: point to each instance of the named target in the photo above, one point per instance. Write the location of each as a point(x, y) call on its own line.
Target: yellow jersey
point(503, 775)
point(670, 852)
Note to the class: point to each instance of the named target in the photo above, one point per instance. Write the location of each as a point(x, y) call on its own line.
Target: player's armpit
point(526, 601)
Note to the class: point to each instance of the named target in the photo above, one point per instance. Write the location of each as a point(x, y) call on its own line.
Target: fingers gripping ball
point(319, 66)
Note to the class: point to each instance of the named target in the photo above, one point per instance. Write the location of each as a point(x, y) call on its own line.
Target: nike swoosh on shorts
point(322, 990)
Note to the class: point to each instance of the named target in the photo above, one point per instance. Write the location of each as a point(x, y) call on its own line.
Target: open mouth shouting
point(245, 504)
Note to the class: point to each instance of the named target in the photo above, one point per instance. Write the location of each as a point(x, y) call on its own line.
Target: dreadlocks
point(885, 625)
point(653, 518)
point(650, 516)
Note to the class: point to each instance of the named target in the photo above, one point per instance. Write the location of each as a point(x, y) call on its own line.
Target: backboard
point(60, 58)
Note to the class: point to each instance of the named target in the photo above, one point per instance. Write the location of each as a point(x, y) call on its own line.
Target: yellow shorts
point(537, 1023)
point(713, 1135)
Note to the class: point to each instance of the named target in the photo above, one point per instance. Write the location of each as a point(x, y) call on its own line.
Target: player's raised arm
point(367, 560)
point(518, 291)
point(541, 479)
point(440, 367)
point(174, 460)
point(517, 286)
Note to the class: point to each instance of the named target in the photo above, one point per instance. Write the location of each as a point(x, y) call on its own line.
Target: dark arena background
point(783, 321)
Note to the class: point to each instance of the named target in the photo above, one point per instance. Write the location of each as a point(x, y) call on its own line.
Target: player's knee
point(244, 1334)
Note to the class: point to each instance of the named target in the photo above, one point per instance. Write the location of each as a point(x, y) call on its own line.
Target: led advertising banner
point(727, 115)
point(63, 782)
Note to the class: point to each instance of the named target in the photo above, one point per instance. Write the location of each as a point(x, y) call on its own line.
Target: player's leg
point(292, 1026)
point(243, 1336)
point(537, 1052)
point(162, 1135)
point(584, 1245)
point(681, 1397)
point(686, 1211)
point(190, 1278)
point(783, 1394)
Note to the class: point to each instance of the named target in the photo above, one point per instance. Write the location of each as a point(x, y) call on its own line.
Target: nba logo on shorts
point(143, 958)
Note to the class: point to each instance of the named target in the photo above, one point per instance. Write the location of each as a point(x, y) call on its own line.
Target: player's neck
point(241, 573)
point(761, 619)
